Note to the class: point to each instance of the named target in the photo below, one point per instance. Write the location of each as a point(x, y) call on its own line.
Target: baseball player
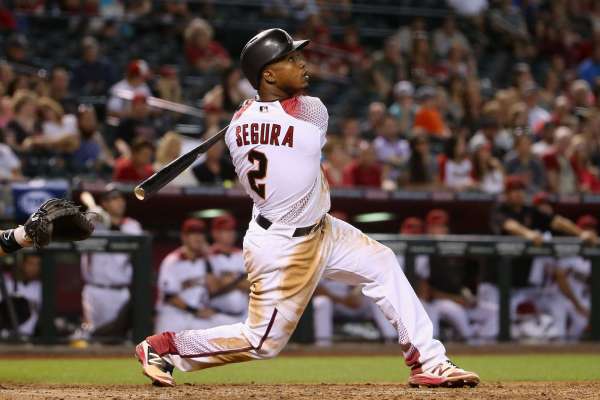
point(186, 283)
point(107, 276)
point(25, 290)
point(275, 141)
point(333, 299)
point(573, 275)
point(228, 263)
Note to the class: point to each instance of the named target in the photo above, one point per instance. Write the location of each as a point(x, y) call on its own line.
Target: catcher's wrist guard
point(8, 242)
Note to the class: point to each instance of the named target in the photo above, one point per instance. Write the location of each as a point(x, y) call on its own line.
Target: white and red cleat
point(445, 374)
point(159, 370)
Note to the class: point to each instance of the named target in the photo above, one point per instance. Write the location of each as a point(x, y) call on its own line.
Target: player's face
point(226, 237)
point(516, 197)
point(115, 206)
point(195, 242)
point(31, 267)
point(290, 73)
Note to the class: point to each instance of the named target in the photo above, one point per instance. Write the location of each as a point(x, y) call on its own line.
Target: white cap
point(404, 88)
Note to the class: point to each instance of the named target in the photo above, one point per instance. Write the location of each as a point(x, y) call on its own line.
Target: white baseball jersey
point(276, 151)
point(578, 274)
point(184, 278)
point(110, 268)
point(227, 262)
point(32, 291)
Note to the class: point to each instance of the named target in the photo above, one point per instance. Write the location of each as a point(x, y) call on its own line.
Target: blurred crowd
point(492, 90)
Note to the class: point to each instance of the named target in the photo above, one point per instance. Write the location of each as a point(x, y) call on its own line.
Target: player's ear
point(268, 76)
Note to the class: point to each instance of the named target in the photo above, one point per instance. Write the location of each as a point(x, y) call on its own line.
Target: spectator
point(546, 139)
point(59, 130)
point(589, 69)
point(487, 170)
point(168, 85)
point(186, 283)
point(336, 159)
point(59, 90)
point(522, 163)
point(230, 93)
point(10, 165)
point(364, 171)
point(588, 179)
point(202, 52)
point(133, 85)
point(447, 36)
point(392, 150)
point(107, 276)
point(456, 169)
point(139, 124)
point(403, 107)
point(351, 135)
point(137, 166)
point(93, 75)
point(228, 266)
point(25, 290)
point(93, 154)
point(559, 171)
point(16, 49)
point(422, 166)
point(404, 37)
point(487, 135)
point(168, 149)
point(216, 168)
point(375, 117)
point(23, 123)
point(428, 118)
point(536, 115)
point(412, 226)
point(388, 68)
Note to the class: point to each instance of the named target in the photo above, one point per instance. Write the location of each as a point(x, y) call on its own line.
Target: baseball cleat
point(159, 370)
point(445, 374)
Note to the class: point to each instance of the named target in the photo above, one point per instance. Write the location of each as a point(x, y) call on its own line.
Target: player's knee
point(322, 304)
point(271, 348)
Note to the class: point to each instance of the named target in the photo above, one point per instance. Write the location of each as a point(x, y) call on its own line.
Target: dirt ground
point(489, 390)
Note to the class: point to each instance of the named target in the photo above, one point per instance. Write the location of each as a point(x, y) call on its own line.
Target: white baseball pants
point(284, 272)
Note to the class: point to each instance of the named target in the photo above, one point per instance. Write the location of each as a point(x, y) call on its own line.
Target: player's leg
point(387, 330)
point(359, 260)
point(456, 315)
point(323, 320)
point(284, 272)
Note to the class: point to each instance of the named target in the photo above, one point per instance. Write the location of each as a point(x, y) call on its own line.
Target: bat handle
point(139, 192)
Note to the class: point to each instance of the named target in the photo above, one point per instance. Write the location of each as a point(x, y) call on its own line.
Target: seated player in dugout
point(186, 284)
point(292, 241)
point(227, 264)
point(448, 287)
point(24, 288)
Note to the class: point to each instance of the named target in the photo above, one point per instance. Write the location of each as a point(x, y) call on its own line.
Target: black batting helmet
point(264, 48)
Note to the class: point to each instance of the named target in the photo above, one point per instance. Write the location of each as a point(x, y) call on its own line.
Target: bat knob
point(140, 193)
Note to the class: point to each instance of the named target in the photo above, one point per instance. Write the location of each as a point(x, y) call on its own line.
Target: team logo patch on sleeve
point(264, 109)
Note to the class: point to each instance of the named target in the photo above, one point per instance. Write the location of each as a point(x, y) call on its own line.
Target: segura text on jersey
point(263, 133)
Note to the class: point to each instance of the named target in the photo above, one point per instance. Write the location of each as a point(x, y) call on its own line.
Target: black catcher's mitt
point(58, 220)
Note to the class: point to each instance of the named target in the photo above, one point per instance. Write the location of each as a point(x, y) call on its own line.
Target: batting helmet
point(264, 48)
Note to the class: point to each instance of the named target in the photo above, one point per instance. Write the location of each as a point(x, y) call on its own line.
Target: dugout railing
point(493, 249)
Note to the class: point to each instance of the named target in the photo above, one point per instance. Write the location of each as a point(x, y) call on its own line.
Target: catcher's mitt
point(58, 220)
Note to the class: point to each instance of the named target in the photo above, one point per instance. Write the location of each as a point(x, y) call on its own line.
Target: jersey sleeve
point(309, 109)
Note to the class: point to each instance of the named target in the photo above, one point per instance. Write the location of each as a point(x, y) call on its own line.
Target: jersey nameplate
point(263, 133)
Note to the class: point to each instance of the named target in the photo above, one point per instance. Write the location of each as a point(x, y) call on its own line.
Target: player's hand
point(87, 200)
point(353, 301)
point(589, 237)
point(205, 313)
point(584, 312)
point(535, 237)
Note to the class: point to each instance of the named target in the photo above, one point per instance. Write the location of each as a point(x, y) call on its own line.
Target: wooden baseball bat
point(157, 181)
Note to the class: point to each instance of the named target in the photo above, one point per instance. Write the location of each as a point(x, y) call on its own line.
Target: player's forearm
point(12, 240)
point(515, 228)
point(565, 226)
point(565, 288)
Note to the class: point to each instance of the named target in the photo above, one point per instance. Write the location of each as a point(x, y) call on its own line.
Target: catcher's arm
point(12, 240)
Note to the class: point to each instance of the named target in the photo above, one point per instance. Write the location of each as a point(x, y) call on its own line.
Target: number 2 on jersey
point(258, 173)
